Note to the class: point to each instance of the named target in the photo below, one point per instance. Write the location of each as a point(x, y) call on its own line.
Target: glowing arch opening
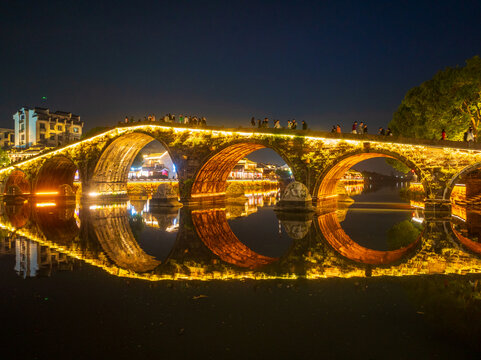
point(326, 188)
point(211, 180)
point(114, 167)
point(17, 184)
point(56, 177)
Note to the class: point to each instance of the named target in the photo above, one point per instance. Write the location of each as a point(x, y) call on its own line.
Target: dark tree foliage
point(4, 159)
point(94, 131)
point(451, 100)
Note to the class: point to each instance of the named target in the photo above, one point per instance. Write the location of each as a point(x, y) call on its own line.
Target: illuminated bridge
point(204, 157)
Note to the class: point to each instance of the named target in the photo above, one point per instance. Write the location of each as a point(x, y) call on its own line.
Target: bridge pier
point(437, 208)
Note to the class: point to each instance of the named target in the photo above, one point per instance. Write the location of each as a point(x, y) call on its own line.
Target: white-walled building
point(40, 126)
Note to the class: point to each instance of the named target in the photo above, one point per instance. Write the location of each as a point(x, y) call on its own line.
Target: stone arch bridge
point(204, 157)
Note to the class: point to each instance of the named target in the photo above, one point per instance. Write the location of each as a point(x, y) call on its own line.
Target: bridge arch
point(55, 173)
point(17, 183)
point(325, 186)
point(112, 168)
point(331, 229)
point(211, 179)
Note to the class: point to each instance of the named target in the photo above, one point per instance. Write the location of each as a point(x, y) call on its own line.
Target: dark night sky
point(324, 62)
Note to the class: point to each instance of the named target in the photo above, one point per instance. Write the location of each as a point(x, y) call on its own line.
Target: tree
point(94, 131)
point(4, 159)
point(451, 100)
point(402, 234)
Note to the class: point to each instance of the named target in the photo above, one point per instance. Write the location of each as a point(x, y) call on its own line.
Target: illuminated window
point(75, 129)
point(59, 127)
point(52, 126)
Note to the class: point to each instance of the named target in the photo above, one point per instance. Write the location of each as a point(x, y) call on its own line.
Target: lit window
point(52, 126)
point(59, 127)
point(75, 129)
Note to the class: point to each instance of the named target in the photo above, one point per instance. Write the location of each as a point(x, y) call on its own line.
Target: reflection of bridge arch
point(17, 182)
point(452, 182)
point(111, 171)
point(110, 227)
point(214, 231)
point(55, 172)
point(326, 184)
point(466, 242)
point(18, 214)
point(57, 223)
point(341, 242)
point(211, 178)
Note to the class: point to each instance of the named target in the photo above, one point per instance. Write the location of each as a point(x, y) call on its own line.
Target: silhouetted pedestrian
point(443, 135)
point(304, 125)
point(354, 127)
point(253, 121)
point(360, 128)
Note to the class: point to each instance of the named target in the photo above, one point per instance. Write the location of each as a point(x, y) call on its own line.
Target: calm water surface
point(375, 278)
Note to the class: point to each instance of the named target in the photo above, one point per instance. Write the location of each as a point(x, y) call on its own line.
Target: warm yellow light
point(46, 204)
point(147, 157)
point(207, 194)
point(47, 193)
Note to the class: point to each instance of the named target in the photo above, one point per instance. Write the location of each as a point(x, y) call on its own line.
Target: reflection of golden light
point(354, 189)
point(47, 193)
point(172, 228)
point(108, 206)
point(46, 204)
point(207, 194)
point(458, 211)
point(416, 204)
point(105, 193)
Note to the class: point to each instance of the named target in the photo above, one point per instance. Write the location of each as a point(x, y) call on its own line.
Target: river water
point(373, 278)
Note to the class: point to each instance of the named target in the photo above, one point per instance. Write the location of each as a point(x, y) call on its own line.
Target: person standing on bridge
point(443, 135)
point(354, 127)
point(253, 121)
point(304, 125)
point(294, 124)
point(338, 128)
point(470, 135)
point(360, 128)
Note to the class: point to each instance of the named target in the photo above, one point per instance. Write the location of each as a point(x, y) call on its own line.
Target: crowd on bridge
point(361, 129)
point(190, 120)
point(291, 124)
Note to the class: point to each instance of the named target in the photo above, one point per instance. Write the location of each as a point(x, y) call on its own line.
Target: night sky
point(324, 62)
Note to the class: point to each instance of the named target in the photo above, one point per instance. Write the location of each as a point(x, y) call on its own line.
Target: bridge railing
point(290, 132)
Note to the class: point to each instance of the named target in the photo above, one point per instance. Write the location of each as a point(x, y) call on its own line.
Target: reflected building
point(32, 259)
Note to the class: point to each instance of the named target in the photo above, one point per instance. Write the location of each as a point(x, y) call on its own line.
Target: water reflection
point(239, 240)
